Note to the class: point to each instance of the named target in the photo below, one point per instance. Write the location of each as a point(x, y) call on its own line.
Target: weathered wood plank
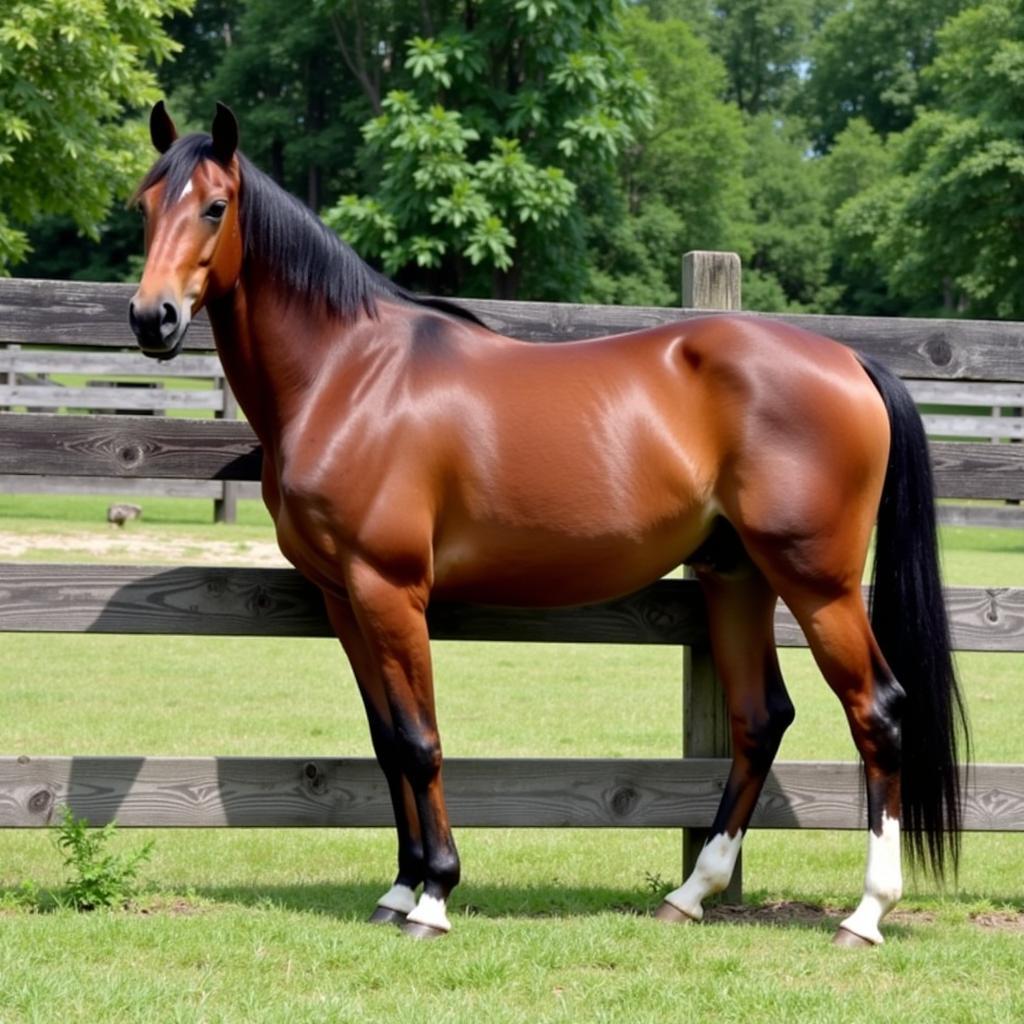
point(115, 364)
point(1002, 516)
point(981, 393)
point(123, 487)
point(712, 280)
point(965, 470)
point(76, 313)
point(41, 444)
point(128, 446)
point(992, 427)
point(980, 618)
point(40, 396)
point(206, 601)
point(209, 601)
point(256, 792)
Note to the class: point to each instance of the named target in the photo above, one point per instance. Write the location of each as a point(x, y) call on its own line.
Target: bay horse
point(409, 452)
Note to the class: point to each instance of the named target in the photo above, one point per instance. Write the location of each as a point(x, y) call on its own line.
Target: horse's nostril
point(133, 320)
point(170, 317)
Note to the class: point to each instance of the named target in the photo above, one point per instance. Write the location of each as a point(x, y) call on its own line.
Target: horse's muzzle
point(159, 327)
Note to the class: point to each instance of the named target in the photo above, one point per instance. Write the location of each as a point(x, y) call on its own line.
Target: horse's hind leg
point(741, 608)
point(396, 904)
point(845, 649)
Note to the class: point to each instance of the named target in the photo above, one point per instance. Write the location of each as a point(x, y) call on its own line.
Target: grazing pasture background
point(241, 925)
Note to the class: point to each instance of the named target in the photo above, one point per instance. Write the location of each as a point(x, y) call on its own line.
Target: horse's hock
point(953, 363)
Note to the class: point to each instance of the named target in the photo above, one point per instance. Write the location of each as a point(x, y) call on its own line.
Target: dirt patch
point(1000, 920)
point(781, 913)
point(119, 545)
point(172, 907)
point(784, 913)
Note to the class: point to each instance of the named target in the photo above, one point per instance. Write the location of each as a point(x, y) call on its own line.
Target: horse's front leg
point(392, 622)
point(400, 899)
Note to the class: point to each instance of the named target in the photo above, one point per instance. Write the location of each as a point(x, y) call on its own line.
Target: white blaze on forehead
point(186, 190)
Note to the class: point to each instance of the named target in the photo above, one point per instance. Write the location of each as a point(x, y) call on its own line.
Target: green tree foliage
point(858, 161)
point(762, 43)
point(70, 71)
point(788, 259)
point(946, 226)
point(868, 61)
point(472, 163)
point(283, 76)
point(681, 183)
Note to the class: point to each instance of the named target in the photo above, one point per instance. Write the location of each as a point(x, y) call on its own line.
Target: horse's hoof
point(850, 940)
point(385, 915)
point(672, 915)
point(415, 930)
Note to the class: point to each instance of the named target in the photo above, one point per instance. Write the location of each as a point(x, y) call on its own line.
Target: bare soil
point(117, 544)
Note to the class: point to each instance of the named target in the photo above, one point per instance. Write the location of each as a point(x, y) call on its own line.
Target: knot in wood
point(316, 780)
point(129, 455)
point(624, 800)
point(940, 352)
point(40, 801)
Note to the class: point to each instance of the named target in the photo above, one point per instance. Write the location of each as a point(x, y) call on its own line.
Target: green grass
point(266, 925)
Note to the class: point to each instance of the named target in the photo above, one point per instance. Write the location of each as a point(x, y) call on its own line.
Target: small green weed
point(101, 879)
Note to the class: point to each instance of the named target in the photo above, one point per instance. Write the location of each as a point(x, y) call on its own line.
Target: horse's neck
point(269, 351)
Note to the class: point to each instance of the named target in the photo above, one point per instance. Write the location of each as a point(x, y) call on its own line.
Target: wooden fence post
point(225, 509)
point(711, 280)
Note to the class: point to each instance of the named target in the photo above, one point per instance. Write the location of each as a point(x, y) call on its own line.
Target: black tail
point(908, 616)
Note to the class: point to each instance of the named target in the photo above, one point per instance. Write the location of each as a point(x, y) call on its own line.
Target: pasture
point(267, 925)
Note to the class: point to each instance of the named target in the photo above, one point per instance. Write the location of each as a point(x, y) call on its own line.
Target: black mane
point(289, 241)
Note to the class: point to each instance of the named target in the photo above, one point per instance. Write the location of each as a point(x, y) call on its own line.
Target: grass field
point(266, 925)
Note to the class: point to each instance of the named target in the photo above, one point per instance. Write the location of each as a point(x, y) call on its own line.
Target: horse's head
point(189, 200)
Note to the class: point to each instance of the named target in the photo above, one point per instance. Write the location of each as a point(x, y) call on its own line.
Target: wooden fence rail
point(938, 357)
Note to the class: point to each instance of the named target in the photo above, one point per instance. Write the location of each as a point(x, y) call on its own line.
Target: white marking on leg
point(710, 874)
point(431, 911)
point(883, 882)
point(399, 898)
point(187, 190)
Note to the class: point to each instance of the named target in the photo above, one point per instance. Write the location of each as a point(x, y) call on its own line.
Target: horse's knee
point(419, 752)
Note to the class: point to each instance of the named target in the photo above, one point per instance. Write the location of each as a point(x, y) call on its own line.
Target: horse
point(411, 453)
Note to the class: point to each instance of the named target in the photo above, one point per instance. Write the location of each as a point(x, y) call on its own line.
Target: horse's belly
point(551, 569)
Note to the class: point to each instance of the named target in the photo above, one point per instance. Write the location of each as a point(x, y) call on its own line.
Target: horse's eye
point(216, 209)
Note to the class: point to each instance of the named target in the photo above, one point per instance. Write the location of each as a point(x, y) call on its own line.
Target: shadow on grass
point(353, 903)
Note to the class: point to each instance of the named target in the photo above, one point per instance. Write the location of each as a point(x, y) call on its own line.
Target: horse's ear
point(161, 127)
point(225, 134)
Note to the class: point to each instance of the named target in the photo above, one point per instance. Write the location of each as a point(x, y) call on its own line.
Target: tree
point(299, 107)
point(947, 226)
point(867, 61)
point(859, 161)
point(681, 181)
point(70, 72)
point(762, 44)
point(472, 166)
point(788, 259)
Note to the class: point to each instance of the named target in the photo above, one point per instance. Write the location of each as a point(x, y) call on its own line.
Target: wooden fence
point(211, 791)
point(37, 377)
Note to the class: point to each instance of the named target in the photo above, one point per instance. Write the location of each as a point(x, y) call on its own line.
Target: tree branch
point(355, 59)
